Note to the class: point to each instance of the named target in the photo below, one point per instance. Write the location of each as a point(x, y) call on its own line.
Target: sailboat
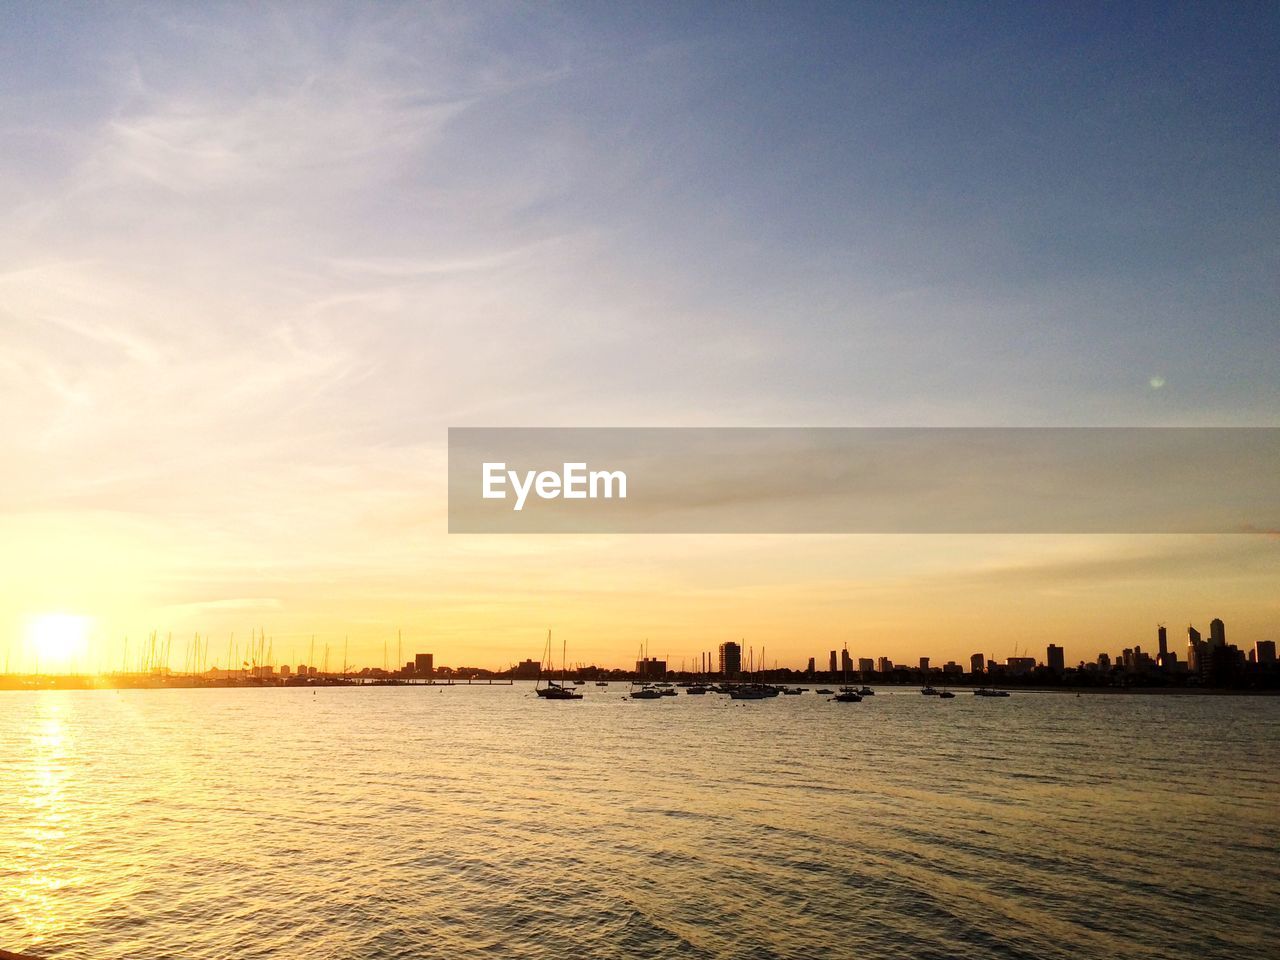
point(646, 691)
point(847, 694)
point(554, 690)
point(755, 690)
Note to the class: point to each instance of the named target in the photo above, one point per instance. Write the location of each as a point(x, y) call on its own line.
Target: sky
point(256, 259)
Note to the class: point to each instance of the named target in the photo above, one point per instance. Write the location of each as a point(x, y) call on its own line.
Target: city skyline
point(195, 655)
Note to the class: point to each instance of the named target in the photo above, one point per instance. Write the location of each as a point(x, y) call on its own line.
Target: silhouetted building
point(924, 663)
point(651, 668)
point(1018, 665)
point(424, 664)
point(1162, 640)
point(1195, 650)
point(952, 669)
point(1221, 665)
point(1265, 652)
point(285, 670)
point(1134, 660)
point(832, 665)
point(1217, 633)
point(884, 665)
point(527, 670)
point(1055, 658)
point(730, 659)
point(866, 665)
point(812, 665)
point(977, 663)
point(1104, 661)
point(846, 661)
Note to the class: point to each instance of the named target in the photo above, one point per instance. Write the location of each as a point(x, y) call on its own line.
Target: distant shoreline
point(72, 683)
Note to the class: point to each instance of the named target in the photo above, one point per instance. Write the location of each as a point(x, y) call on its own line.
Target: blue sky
point(255, 259)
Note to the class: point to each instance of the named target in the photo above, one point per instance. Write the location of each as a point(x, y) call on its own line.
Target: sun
point(57, 639)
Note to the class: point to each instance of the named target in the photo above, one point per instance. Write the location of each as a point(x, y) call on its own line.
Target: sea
point(484, 822)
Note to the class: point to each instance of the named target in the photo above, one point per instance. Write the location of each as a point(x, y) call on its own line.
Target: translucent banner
point(864, 480)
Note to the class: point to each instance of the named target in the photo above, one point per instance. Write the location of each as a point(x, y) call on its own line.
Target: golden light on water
point(58, 640)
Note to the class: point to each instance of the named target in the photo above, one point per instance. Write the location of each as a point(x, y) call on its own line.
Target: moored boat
point(555, 690)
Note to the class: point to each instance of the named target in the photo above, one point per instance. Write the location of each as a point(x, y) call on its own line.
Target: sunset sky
point(254, 261)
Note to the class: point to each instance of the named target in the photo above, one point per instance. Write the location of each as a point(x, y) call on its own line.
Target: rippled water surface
point(469, 822)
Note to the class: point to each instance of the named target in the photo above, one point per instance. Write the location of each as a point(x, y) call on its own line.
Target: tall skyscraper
point(1265, 652)
point(730, 660)
point(832, 665)
point(1195, 650)
point(846, 661)
point(977, 663)
point(1217, 633)
point(1056, 659)
point(812, 666)
point(1162, 637)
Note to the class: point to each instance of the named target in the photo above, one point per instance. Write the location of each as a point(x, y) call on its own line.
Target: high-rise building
point(1195, 650)
point(1056, 658)
point(924, 663)
point(884, 665)
point(731, 660)
point(846, 661)
point(424, 664)
point(977, 663)
point(831, 663)
point(812, 665)
point(1162, 638)
point(866, 665)
point(1265, 652)
point(1217, 633)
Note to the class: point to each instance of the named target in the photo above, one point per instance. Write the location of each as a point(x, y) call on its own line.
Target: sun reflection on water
point(36, 867)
